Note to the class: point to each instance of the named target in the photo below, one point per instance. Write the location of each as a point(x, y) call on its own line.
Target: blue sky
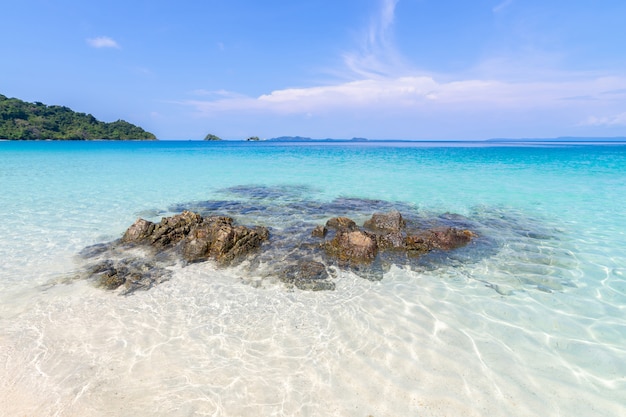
point(380, 69)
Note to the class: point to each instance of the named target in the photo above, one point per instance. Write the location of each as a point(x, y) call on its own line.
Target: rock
point(391, 222)
point(394, 240)
point(168, 232)
point(173, 229)
point(132, 274)
point(240, 242)
point(448, 238)
point(369, 271)
point(308, 275)
point(444, 238)
point(417, 244)
point(387, 228)
point(319, 231)
point(341, 223)
point(219, 239)
point(107, 275)
point(353, 245)
point(296, 255)
point(138, 232)
point(95, 250)
point(202, 237)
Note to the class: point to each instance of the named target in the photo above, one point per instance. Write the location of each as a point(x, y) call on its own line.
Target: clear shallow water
point(527, 321)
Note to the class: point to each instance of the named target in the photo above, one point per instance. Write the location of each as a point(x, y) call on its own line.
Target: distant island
point(211, 137)
point(562, 139)
point(214, 138)
point(20, 120)
point(306, 139)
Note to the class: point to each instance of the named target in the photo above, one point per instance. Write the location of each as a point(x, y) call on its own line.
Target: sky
point(376, 69)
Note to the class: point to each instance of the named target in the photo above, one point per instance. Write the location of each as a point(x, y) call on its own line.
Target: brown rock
point(417, 244)
point(391, 222)
point(341, 223)
point(319, 231)
point(219, 239)
point(444, 238)
point(393, 240)
point(244, 240)
point(202, 237)
point(353, 245)
point(173, 229)
point(448, 238)
point(138, 231)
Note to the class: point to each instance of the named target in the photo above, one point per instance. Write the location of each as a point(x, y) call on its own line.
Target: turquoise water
point(529, 320)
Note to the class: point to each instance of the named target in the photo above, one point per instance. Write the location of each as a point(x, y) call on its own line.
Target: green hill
point(20, 120)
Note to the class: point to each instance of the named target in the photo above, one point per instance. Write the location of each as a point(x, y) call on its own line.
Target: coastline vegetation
point(20, 120)
point(212, 137)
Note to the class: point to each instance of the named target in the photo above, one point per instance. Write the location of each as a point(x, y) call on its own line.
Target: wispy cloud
point(217, 94)
point(103, 42)
point(376, 54)
point(382, 83)
point(500, 7)
point(413, 93)
point(607, 121)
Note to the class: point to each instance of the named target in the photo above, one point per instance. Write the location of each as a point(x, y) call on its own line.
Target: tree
point(20, 120)
point(212, 137)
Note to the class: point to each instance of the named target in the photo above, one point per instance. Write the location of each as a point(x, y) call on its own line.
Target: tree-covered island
point(212, 137)
point(20, 120)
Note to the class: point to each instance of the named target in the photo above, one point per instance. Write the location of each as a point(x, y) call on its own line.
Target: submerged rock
point(443, 238)
point(300, 254)
point(319, 231)
point(308, 275)
point(386, 231)
point(130, 274)
point(391, 222)
point(341, 223)
point(354, 246)
point(387, 228)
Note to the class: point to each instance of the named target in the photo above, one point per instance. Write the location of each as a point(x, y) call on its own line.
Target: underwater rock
point(299, 252)
point(443, 238)
point(308, 275)
point(355, 246)
point(387, 231)
point(386, 222)
point(319, 231)
point(131, 274)
point(341, 223)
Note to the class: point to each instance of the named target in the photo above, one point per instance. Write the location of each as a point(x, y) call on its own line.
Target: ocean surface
point(529, 319)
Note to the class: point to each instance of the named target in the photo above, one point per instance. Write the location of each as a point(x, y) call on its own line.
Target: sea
point(528, 319)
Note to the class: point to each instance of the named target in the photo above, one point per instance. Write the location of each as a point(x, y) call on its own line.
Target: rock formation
point(308, 259)
point(200, 238)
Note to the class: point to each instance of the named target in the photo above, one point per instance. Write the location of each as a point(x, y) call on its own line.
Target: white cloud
point(614, 120)
point(414, 93)
point(384, 93)
point(103, 42)
point(376, 54)
point(218, 94)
